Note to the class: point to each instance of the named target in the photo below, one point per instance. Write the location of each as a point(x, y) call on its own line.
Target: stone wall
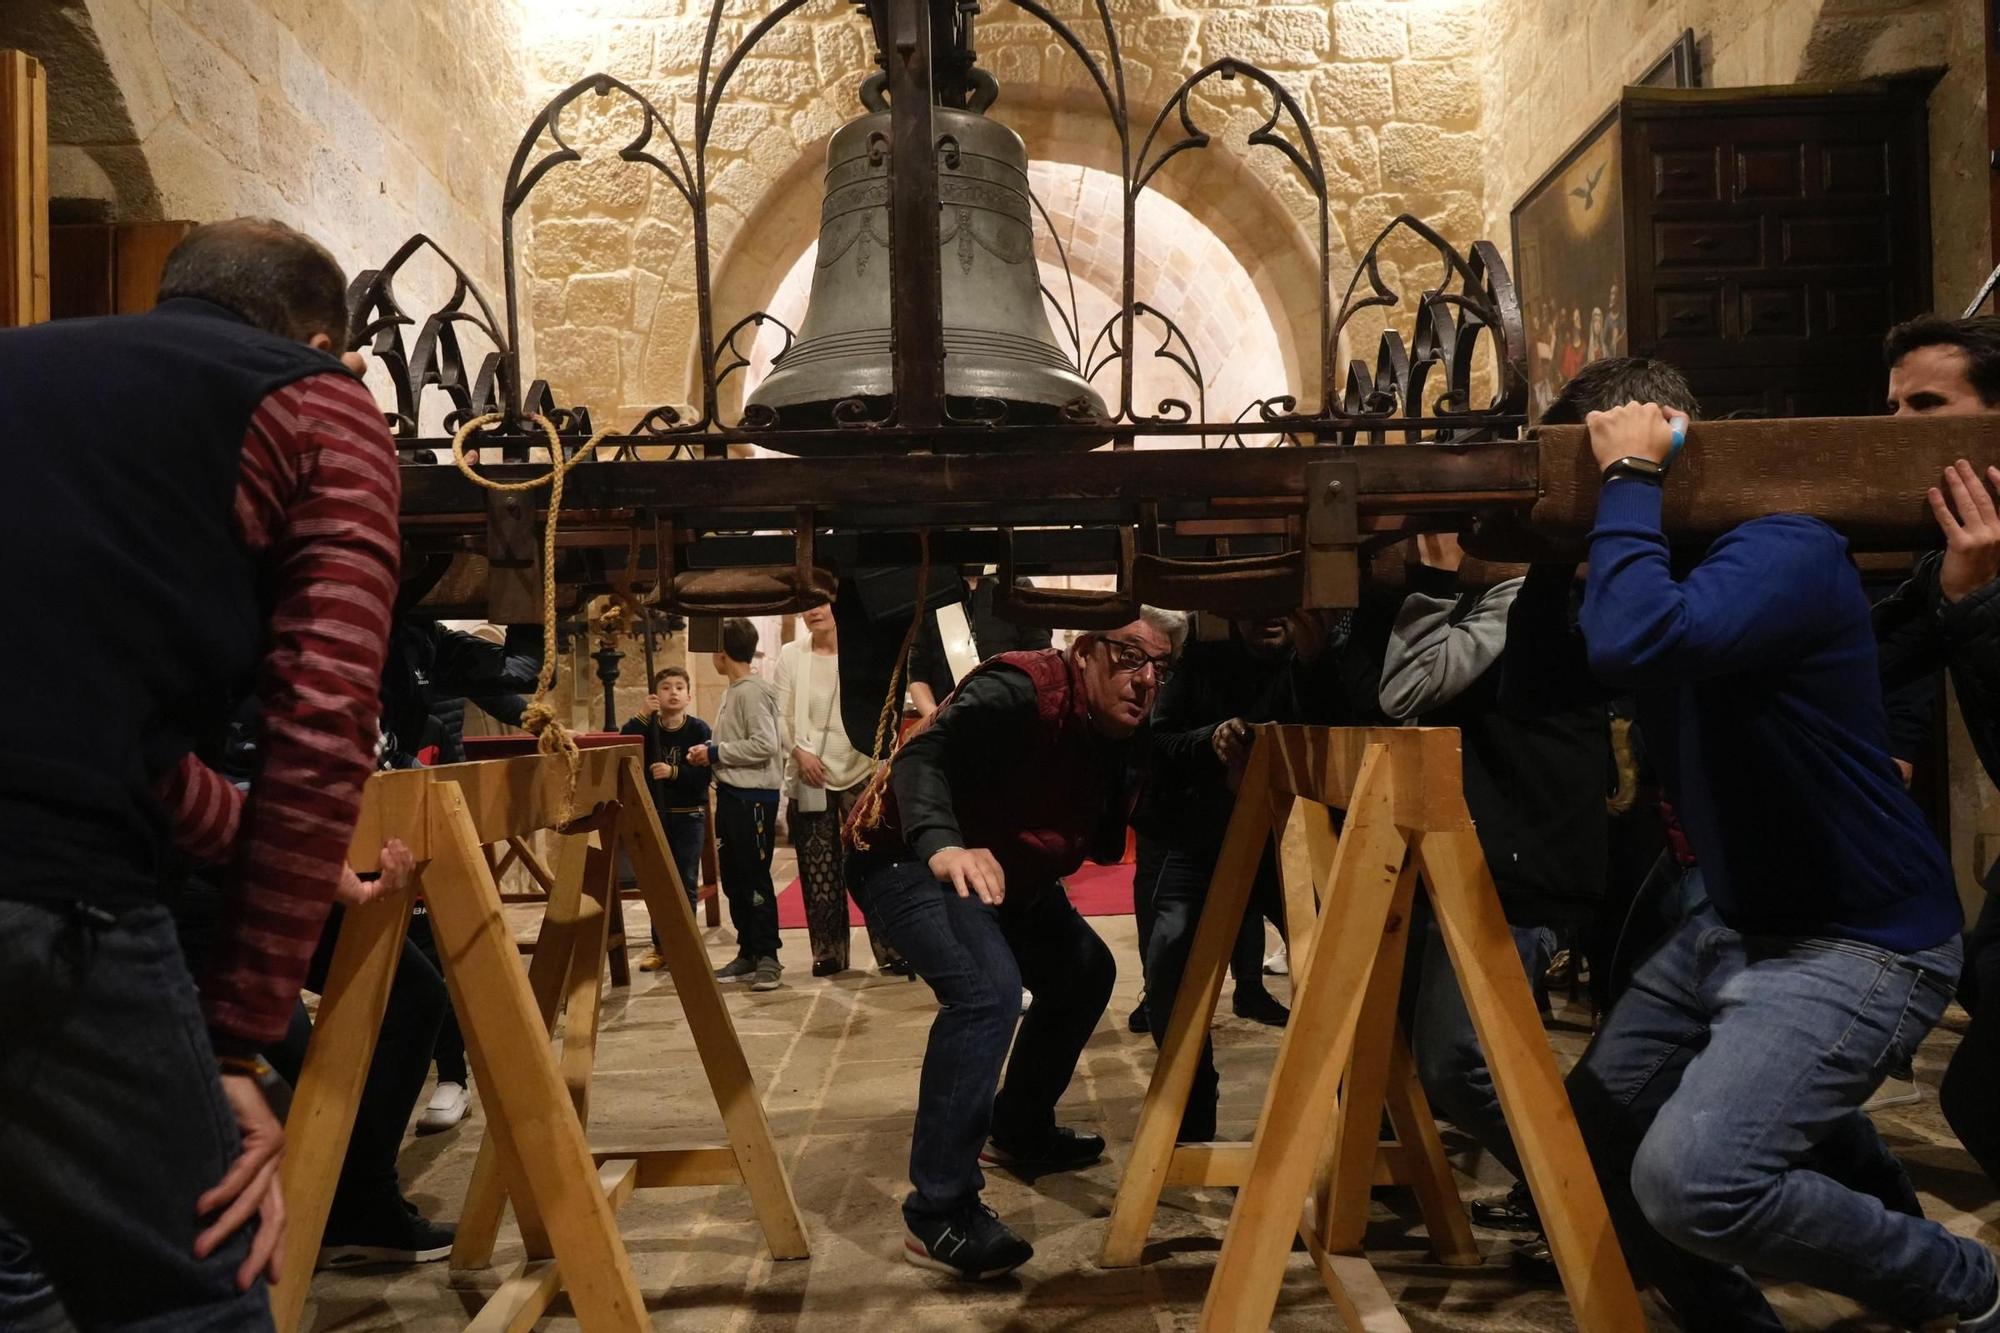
point(360, 122)
point(1555, 66)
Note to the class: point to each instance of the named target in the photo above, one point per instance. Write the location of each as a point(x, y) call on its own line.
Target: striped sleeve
point(317, 501)
point(204, 809)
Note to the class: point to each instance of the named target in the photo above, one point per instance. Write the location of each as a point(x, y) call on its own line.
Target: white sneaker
point(1894, 1092)
point(1027, 999)
point(1279, 964)
point(447, 1107)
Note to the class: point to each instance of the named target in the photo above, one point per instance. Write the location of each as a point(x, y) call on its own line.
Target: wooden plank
point(1417, 1161)
point(1196, 1165)
point(1299, 1105)
point(1865, 476)
point(1553, 1159)
point(526, 1293)
point(486, 1196)
point(1322, 764)
point(675, 1168)
point(549, 1161)
point(336, 1066)
point(24, 190)
point(1152, 1153)
point(138, 258)
point(708, 1018)
point(504, 798)
point(586, 978)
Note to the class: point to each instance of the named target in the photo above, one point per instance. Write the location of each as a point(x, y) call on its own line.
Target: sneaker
point(737, 968)
point(1279, 964)
point(768, 971)
point(1027, 999)
point(1512, 1211)
point(447, 1106)
point(1987, 1322)
point(1061, 1149)
point(397, 1237)
point(652, 962)
point(1533, 1261)
point(971, 1243)
point(1261, 1008)
point(1139, 1022)
point(1894, 1092)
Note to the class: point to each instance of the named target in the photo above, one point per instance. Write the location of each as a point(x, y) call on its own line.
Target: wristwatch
point(277, 1092)
point(1639, 469)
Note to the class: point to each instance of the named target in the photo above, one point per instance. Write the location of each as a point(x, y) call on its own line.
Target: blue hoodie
point(1762, 703)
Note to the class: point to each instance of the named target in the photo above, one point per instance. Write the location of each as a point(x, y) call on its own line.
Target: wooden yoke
point(535, 1152)
point(1341, 1063)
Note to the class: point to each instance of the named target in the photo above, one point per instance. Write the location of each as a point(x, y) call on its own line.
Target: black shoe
point(828, 967)
point(1512, 1211)
point(1261, 1008)
point(397, 1236)
point(1534, 1261)
point(1138, 1022)
point(1061, 1149)
point(900, 968)
point(971, 1243)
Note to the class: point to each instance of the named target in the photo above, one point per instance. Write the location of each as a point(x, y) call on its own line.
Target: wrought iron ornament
point(1417, 388)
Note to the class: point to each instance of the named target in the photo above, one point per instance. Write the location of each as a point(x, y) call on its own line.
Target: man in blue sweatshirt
point(1829, 945)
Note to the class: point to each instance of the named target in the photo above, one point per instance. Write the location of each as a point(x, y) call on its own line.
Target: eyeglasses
point(1128, 658)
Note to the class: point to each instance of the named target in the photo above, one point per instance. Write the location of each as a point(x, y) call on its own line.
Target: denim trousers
point(976, 958)
point(1710, 1098)
point(112, 1123)
point(1450, 1064)
point(746, 830)
point(684, 830)
point(1178, 894)
point(1969, 1094)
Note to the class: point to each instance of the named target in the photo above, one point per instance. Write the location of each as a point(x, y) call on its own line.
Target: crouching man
point(1027, 769)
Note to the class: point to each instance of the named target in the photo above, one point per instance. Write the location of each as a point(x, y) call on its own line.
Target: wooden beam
point(1866, 476)
point(1322, 765)
point(24, 190)
point(506, 798)
point(672, 1168)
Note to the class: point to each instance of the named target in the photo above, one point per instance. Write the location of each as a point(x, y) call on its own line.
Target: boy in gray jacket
point(749, 768)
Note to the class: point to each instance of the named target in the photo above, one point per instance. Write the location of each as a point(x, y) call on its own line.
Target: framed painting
point(1569, 257)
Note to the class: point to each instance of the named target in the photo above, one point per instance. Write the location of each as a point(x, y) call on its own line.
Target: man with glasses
point(1027, 769)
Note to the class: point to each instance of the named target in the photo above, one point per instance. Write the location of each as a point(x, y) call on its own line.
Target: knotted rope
point(539, 720)
point(868, 807)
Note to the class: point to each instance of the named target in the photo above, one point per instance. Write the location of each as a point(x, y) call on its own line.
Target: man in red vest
point(1028, 768)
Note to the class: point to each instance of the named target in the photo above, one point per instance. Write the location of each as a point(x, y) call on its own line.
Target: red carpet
point(1094, 890)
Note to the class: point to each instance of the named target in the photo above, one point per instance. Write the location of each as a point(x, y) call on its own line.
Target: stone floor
point(838, 1060)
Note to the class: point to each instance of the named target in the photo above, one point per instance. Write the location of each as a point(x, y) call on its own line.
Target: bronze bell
point(997, 340)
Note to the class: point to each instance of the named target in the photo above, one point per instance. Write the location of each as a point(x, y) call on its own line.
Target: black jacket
point(429, 663)
point(1918, 633)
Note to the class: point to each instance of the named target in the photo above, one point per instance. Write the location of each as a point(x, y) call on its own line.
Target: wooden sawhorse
point(535, 1151)
point(1341, 1061)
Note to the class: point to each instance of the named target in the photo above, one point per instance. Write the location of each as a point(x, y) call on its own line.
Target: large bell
point(997, 341)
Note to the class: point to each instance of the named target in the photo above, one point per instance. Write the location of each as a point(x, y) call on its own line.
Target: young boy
point(749, 768)
point(679, 788)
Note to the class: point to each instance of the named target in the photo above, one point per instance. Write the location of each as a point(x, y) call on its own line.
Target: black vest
point(137, 615)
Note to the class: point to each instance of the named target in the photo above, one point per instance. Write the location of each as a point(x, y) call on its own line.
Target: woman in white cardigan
point(824, 775)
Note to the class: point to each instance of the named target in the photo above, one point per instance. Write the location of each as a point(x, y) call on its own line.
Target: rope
point(868, 807)
point(540, 720)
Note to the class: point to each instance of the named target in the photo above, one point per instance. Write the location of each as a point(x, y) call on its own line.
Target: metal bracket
point(513, 560)
point(1333, 535)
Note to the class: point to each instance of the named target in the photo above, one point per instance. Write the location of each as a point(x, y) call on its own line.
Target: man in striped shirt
point(203, 505)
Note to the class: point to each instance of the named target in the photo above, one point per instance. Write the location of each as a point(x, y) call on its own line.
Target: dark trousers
point(448, 1052)
point(745, 837)
point(1179, 891)
point(418, 1002)
point(684, 830)
point(1246, 960)
point(1970, 1093)
point(976, 959)
point(112, 1123)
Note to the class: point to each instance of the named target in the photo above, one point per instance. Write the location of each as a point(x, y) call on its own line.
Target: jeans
point(112, 1123)
point(1450, 1064)
point(976, 958)
point(1969, 1096)
point(1246, 960)
point(1729, 1061)
point(684, 830)
point(448, 1051)
point(1177, 898)
point(746, 830)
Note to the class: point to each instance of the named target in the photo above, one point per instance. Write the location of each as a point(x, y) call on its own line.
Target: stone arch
point(100, 108)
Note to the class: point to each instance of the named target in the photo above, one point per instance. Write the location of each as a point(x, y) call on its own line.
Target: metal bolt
point(1333, 488)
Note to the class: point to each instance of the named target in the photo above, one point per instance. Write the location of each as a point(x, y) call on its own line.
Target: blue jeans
point(684, 830)
point(976, 958)
point(112, 1123)
point(1718, 1078)
point(1445, 1045)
